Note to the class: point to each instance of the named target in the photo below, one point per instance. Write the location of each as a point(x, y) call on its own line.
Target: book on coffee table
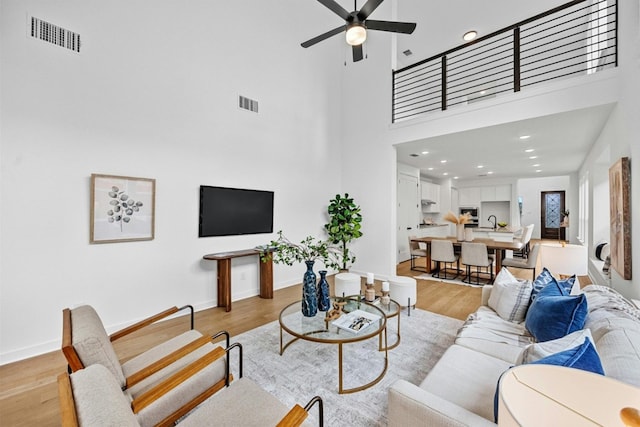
point(356, 321)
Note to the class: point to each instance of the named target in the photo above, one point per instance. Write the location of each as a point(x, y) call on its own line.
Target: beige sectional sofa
point(460, 389)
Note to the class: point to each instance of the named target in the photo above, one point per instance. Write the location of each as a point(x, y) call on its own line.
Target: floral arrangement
point(462, 219)
point(284, 251)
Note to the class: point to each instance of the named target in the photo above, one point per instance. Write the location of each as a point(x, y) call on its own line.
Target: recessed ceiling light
point(480, 166)
point(443, 161)
point(538, 170)
point(482, 92)
point(537, 165)
point(455, 177)
point(525, 136)
point(529, 150)
point(490, 173)
point(430, 169)
point(533, 157)
point(470, 35)
point(425, 152)
point(446, 173)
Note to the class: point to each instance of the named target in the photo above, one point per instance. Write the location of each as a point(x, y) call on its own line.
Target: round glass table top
point(321, 329)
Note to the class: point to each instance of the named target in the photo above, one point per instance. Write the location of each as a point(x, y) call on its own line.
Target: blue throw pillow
point(583, 357)
point(553, 316)
point(545, 278)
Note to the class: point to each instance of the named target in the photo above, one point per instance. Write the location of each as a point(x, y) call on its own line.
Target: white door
point(408, 213)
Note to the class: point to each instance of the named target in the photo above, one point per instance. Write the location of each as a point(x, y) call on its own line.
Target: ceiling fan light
point(356, 35)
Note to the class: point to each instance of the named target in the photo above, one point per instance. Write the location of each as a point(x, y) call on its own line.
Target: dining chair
point(476, 255)
point(442, 251)
point(527, 263)
point(525, 238)
point(416, 252)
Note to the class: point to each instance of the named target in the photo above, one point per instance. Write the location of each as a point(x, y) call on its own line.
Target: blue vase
point(309, 292)
point(324, 303)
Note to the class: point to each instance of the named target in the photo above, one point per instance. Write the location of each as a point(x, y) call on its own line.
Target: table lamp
point(564, 260)
point(547, 395)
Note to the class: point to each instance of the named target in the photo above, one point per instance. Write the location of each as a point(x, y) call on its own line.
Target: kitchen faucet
point(495, 221)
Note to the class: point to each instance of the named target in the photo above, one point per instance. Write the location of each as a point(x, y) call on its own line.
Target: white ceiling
point(559, 142)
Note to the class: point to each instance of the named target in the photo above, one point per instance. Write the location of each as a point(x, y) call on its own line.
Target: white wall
point(143, 99)
point(529, 189)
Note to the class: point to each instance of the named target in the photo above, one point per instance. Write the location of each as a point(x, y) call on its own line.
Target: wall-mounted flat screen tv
point(234, 211)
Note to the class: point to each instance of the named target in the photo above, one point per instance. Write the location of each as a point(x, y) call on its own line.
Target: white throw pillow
point(510, 296)
point(537, 351)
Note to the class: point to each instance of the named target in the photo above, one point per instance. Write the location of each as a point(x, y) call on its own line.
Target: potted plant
point(309, 250)
point(343, 227)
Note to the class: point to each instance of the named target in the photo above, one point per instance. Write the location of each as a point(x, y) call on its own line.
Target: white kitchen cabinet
point(495, 193)
point(469, 197)
point(430, 192)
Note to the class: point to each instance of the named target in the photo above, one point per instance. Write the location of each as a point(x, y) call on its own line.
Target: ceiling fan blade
point(394, 27)
point(337, 9)
point(324, 36)
point(368, 9)
point(357, 53)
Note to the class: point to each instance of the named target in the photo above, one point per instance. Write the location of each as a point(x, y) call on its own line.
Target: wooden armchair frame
point(161, 388)
point(295, 417)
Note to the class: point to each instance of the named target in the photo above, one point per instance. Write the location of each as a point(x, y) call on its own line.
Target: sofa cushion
point(91, 342)
point(537, 351)
point(619, 351)
point(552, 316)
point(466, 378)
point(510, 296)
point(545, 278)
point(583, 357)
point(488, 333)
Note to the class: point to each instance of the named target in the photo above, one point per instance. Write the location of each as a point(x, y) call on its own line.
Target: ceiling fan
point(357, 25)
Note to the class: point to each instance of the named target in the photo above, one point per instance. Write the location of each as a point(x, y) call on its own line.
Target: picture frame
point(122, 209)
point(620, 216)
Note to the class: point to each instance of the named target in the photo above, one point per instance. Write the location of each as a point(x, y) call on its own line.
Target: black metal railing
point(577, 38)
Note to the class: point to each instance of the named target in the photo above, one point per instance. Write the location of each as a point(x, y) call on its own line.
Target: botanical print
point(122, 208)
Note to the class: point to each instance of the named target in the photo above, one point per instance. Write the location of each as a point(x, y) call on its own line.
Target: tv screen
point(234, 211)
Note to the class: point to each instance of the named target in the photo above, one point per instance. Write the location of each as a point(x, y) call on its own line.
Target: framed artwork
point(620, 216)
point(122, 208)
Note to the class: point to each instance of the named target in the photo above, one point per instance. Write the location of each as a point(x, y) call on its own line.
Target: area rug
point(307, 368)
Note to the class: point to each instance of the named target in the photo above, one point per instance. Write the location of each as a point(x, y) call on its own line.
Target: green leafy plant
point(343, 227)
point(284, 251)
point(123, 207)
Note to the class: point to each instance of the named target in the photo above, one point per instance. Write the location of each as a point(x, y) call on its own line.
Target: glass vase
point(309, 292)
point(324, 303)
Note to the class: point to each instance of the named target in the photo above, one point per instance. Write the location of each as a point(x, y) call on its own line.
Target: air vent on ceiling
point(414, 155)
point(247, 104)
point(408, 52)
point(51, 33)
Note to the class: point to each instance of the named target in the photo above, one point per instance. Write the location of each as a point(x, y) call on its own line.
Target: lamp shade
point(356, 35)
point(547, 395)
point(564, 260)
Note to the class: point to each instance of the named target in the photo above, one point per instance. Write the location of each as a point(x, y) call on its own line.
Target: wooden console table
point(224, 274)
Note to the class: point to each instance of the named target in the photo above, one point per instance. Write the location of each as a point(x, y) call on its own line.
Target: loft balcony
point(575, 39)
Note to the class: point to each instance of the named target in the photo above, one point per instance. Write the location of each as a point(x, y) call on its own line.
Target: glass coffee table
point(318, 329)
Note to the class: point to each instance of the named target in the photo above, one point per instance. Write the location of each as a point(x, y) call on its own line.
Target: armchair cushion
point(99, 401)
point(91, 342)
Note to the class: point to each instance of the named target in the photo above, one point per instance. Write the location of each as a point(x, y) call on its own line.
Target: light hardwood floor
point(28, 390)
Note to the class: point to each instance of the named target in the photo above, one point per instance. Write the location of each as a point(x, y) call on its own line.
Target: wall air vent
point(247, 104)
point(48, 32)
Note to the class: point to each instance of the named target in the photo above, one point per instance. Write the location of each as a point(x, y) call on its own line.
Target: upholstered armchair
point(92, 397)
point(159, 381)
